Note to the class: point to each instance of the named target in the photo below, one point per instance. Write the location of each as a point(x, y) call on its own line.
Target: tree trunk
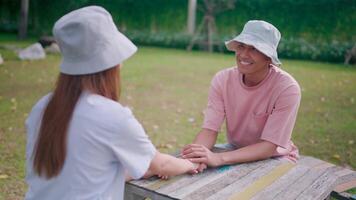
point(210, 26)
point(23, 19)
point(192, 5)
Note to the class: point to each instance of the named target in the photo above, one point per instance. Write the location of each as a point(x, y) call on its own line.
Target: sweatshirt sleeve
point(280, 122)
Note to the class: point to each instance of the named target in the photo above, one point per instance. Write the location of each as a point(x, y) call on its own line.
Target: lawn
point(167, 91)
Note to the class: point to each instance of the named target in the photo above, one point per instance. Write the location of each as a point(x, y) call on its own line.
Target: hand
point(202, 167)
point(190, 167)
point(198, 153)
point(163, 177)
point(194, 167)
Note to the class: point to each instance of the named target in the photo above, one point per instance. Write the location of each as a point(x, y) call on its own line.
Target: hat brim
point(120, 49)
point(259, 44)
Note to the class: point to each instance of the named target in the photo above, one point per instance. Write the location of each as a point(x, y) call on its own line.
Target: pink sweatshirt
point(266, 111)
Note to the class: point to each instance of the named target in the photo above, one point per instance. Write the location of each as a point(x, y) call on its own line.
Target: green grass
point(167, 90)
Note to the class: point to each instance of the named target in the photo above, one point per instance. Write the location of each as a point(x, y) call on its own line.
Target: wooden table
point(310, 178)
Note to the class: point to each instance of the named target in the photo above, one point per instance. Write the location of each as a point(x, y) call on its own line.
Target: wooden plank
point(310, 179)
point(161, 183)
point(184, 191)
point(145, 182)
point(346, 179)
point(322, 187)
point(136, 192)
point(154, 183)
point(194, 182)
point(303, 182)
point(303, 166)
point(246, 180)
point(345, 186)
point(219, 184)
point(263, 182)
point(344, 172)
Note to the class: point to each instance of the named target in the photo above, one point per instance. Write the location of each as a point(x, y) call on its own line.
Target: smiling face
point(250, 61)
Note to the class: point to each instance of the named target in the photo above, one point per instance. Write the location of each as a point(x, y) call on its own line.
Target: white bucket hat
point(261, 35)
point(90, 42)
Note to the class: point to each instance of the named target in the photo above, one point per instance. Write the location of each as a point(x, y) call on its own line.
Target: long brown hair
point(51, 146)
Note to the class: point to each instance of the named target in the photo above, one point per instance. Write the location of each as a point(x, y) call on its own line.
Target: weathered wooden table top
point(310, 178)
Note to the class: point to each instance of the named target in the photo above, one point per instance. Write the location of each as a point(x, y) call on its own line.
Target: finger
point(163, 177)
point(189, 146)
point(195, 145)
point(198, 160)
point(192, 151)
point(185, 148)
point(192, 146)
point(193, 171)
point(202, 167)
point(195, 155)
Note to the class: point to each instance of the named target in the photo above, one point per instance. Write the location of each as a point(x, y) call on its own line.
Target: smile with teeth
point(245, 62)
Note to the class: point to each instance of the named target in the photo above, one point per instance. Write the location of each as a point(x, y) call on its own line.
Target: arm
point(206, 137)
point(214, 116)
point(166, 165)
point(277, 132)
point(258, 151)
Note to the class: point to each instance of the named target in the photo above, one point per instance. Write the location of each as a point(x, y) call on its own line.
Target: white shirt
point(104, 141)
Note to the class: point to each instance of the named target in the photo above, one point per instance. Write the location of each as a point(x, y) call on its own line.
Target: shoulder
point(102, 109)
point(43, 101)
point(41, 104)
point(109, 116)
point(285, 81)
point(223, 75)
point(37, 111)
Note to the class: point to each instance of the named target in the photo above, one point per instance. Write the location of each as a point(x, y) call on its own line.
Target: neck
point(255, 79)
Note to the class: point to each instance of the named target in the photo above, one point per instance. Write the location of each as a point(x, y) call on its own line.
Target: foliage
point(317, 19)
point(295, 48)
point(318, 30)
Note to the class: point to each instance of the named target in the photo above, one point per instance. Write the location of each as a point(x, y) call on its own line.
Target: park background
point(166, 86)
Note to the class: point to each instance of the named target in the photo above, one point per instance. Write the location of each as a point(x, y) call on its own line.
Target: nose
point(243, 53)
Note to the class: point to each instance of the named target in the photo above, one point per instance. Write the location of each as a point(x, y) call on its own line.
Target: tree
point(207, 27)
point(23, 19)
point(191, 16)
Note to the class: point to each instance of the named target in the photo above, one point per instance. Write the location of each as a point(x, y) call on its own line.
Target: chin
point(242, 70)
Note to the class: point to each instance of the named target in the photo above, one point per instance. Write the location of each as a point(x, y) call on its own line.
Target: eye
point(254, 50)
point(240, 46)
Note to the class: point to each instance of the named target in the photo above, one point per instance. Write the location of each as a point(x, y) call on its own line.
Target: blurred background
point(181, 47)
point(320, 30)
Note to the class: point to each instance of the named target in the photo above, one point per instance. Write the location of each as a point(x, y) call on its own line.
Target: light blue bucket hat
point(261, 35)
point(90, 42)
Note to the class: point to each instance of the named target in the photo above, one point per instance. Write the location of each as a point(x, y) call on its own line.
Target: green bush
point(298, 48)
point(317, 30)
point(295, 48)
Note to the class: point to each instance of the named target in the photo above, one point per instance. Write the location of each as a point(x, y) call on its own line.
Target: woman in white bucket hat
point(258, 100)
point(80, 140)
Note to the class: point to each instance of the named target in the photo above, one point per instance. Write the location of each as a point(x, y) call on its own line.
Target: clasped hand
point(198, 153)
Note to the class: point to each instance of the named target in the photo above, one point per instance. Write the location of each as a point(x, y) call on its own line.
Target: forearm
point(259, 151)
point(206, 137)
point(173, 166)
point(168, 165)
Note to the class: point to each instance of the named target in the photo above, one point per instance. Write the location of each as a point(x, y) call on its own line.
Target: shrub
point(293, 48)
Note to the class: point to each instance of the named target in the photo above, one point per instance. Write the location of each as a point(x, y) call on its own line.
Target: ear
point(268, 60)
